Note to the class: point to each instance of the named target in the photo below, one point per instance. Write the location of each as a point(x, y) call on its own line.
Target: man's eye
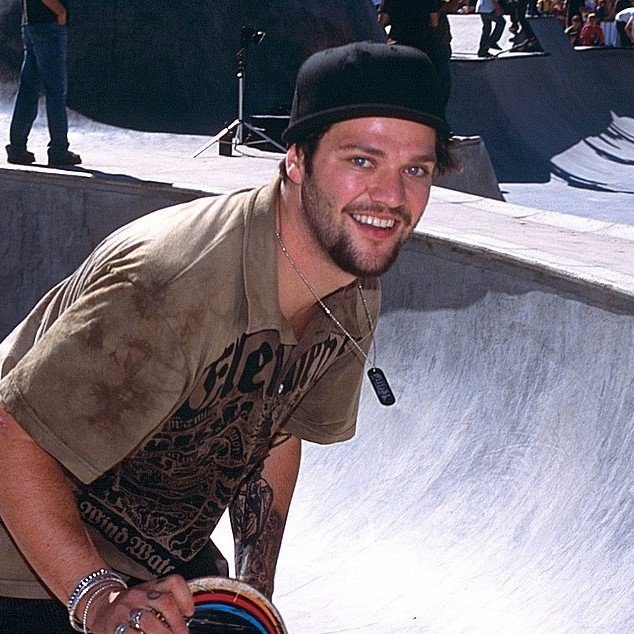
point(418, 170)
point(360, 161)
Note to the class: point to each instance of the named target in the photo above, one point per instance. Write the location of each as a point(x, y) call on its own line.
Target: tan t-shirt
point(159, 371)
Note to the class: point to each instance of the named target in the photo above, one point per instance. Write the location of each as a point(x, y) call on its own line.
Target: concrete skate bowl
point(171, 67)
point(567, 112)
point(495, 496)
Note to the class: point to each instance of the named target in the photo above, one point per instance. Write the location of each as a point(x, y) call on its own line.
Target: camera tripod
point(236, 129)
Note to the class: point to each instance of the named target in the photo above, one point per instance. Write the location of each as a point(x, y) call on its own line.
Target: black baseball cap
point(365, 79)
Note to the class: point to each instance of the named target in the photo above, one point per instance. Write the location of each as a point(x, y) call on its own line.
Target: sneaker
point(62, 159)
point(21, 157)
point(495, 46)
point(485, 54)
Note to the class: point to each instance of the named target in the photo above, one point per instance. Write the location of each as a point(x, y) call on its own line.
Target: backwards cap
point(365, 79)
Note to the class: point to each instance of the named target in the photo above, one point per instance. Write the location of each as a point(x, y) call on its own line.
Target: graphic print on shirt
point(160, 506)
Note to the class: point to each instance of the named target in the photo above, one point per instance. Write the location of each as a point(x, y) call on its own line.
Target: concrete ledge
point(588, 252)
point(52, 219)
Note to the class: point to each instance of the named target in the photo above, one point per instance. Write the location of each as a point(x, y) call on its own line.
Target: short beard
point(318, 211)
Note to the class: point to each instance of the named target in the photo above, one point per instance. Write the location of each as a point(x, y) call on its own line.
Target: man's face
point(367, 189)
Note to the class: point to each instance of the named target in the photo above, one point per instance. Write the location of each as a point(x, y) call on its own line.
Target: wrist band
point(109, 585)
point(89, 582)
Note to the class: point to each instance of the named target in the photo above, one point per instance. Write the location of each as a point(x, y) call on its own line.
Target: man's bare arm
point(259, 512)
point(38, 509)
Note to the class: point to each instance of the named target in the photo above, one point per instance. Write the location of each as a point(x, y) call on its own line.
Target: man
point(490, 14)
point(624, 19)
point(425, 26)
point(175, 373)
point(44, 35)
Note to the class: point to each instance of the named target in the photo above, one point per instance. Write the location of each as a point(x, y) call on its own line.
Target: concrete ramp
point(564, 111)
point(496, 495)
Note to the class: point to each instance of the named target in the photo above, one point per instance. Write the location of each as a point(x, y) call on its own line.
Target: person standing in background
point(45, 38)
point(490, 13)
point(621, 19)
point(423, 24)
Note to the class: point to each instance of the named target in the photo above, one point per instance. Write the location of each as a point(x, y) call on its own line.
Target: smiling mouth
point(373, 221)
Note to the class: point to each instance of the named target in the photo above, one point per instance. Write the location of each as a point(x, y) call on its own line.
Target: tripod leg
point(218, 136)
point(263, 136)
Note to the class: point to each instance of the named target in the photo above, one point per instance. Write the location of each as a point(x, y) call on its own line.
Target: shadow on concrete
point(539, 114)
point(171, 67)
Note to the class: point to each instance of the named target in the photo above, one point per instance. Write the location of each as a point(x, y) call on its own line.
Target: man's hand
point(160, 606)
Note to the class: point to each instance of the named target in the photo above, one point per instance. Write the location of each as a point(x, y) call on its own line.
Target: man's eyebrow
point(373, 151)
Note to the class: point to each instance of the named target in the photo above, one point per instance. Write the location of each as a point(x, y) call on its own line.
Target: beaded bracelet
point(109, 585)
point(89, 582)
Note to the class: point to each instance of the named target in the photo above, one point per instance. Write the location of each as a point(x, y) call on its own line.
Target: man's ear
point(294, 162)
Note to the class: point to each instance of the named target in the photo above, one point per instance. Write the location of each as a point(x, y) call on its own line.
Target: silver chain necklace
point(376, 375)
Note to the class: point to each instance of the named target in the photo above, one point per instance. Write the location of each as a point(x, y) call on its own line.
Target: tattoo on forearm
point(257, 529)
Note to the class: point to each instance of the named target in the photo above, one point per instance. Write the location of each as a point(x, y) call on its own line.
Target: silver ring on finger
point(121, 628)
point(135, 618)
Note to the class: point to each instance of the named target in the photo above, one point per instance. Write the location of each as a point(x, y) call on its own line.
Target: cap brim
point(316, 123)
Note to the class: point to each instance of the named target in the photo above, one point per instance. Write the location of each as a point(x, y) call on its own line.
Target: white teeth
point(375, 222)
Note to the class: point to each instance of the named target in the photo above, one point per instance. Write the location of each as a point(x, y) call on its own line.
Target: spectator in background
point(511, 8)
point(555, 8)
point(605, 13)
point(545, 7)
point(573, 32)
point(44, 35)
point(558, 11)
point(519, 23)
point(592, 33)
point(602, 11)
point(624, 12)
point(423, 24)
point(573, 8)
point(490, 14)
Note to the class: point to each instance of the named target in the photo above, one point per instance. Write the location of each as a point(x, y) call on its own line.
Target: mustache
point(375, 209)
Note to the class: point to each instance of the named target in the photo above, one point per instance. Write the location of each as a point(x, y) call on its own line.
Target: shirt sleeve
point(328, 413)
point(108, 371)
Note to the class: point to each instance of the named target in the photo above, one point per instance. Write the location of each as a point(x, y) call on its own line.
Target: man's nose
point(388, 189)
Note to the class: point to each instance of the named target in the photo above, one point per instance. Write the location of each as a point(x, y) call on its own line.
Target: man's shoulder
point(172, 242)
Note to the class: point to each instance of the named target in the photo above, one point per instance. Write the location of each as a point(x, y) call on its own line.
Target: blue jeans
point(44, 66)
point(487, 38)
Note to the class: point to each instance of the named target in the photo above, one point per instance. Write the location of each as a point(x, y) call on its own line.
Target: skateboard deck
point(229, 606)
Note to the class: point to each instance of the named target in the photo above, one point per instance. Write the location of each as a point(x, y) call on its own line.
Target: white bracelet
point(90, 581)
point(105, 588)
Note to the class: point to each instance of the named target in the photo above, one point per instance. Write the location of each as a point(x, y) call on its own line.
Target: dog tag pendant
point(381, 386)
